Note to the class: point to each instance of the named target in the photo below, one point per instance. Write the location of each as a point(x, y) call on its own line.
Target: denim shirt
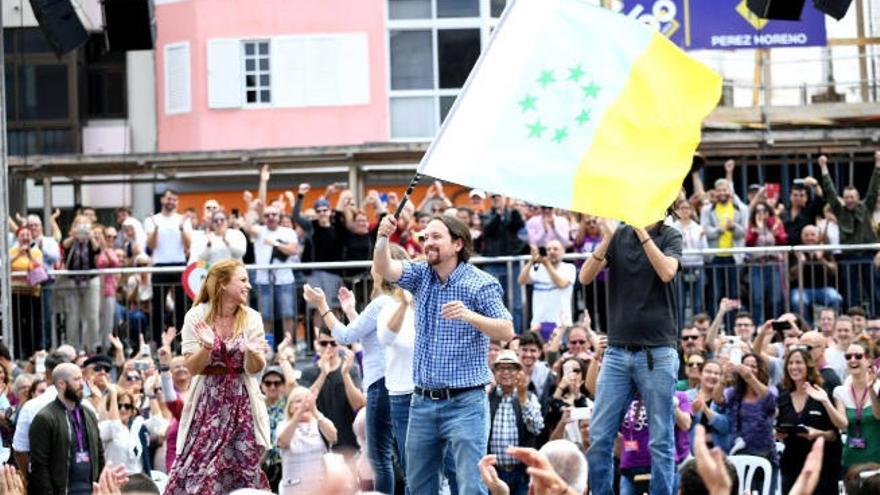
point(451, 353)
point(363, 329)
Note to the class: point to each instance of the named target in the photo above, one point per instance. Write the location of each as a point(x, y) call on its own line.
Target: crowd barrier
point(767, 281)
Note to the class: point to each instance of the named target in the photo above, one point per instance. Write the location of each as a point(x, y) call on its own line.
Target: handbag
point(37, 276)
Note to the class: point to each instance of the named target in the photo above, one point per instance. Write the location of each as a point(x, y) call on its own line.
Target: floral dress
point(221, 453)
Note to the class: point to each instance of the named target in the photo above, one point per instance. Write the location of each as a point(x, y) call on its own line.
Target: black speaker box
point(786, 10)
point(60, 24)
point(835, 8)
point(130, 24)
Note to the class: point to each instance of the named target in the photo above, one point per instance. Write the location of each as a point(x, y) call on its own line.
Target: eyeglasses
point(133, 378)
point(331, 343)
point(506, 368)
point(273, 383)
point(690, 337)
point(581, 342)
point(854, 355)
point(130, 407)
point(695, 364)
point(219, 220)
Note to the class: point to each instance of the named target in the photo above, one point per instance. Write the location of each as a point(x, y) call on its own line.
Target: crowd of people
point(402, 384)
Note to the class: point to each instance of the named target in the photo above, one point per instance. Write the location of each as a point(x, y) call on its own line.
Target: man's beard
point(433, 261)
point(73, 395)
point(169, 208)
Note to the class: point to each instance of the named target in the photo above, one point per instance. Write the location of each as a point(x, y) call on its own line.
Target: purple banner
point(724, 24)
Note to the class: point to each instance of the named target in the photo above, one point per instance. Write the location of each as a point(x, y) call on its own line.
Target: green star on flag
point(546, 78)
point(560, 135)
point(536, 129)
point(527, 103)
point(583, 117)
point(575, 73)
point(591, 90)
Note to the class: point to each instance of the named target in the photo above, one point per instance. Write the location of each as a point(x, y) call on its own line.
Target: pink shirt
point(107, 259)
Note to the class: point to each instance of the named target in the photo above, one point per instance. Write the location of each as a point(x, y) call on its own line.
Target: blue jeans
point(825, 296)
point(399, 422)
point(460, 425)
point(499, 271)
point(765, 289)
point(380, 439)
point(623, 373)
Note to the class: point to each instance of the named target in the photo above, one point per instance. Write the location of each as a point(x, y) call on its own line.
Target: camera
point(82, 231)
point(542, 251)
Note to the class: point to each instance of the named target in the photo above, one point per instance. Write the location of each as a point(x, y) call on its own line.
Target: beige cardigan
point(190, 344)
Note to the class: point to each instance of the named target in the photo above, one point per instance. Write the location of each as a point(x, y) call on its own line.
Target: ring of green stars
point(546, 90)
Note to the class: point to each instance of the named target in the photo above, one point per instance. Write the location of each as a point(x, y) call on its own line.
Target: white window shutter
point(289, 67)
point(354, 69)
point(224, 73)
point(178, 90)
point(323, 81)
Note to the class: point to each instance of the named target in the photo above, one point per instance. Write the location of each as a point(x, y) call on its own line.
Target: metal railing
point(769, 281)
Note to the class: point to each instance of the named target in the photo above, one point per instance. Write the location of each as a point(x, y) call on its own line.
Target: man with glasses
point(168, 236)
point(691, 343)
point(515, 419)
point(335, 380)
point(274, 388)
point(274, 244)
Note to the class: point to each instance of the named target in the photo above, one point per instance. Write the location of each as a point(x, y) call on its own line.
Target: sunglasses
point(331, 343)
point(696, 364)
point(854, 355)
point(800, 347)
point(130, 407)
point(133, 378)
point(581, 342)
point(273, 383)
point(574, 370)
point(690, 337)
point(509, 369)
point(99, 369)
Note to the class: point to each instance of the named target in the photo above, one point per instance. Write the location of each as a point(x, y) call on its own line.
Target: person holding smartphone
point(553, 282)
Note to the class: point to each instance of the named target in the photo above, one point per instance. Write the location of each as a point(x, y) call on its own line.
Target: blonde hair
point(219, 275)
point(296, 391)
point(384, 287)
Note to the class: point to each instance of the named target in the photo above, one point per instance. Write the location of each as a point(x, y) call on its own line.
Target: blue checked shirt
point(451, 353)
point(504, 431)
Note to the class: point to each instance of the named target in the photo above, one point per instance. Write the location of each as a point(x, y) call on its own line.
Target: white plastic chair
point(746, 465)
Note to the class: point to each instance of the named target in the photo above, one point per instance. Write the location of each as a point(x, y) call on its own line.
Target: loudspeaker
point(835, 8)
point(130, 24)
point(787, 10)
point(60, 24)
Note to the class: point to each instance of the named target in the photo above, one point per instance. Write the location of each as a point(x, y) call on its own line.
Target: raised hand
point(304, 188)
point(168, 336)
point(10, 481)
point(204, 333)
point(816, 393)
point(808, 479)
point(545, 480)
point(490, 476)
point(608, 226)
point(388, 225)
point(314, 295)
point(710, 464)
point(347, 300)
point(256, 345)
point(729, 165)
point(265, 173)
point(115, 342)
point(347, 361)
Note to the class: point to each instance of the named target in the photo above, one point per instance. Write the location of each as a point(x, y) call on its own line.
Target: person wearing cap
point(515, 416)
point(98, 375)
point(476, 199)
point(275, 388)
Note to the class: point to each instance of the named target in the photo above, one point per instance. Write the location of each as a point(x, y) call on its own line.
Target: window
point(42, 95)
point(433, 45)
point(257, 87)
point(105, 81)
point(178, 97)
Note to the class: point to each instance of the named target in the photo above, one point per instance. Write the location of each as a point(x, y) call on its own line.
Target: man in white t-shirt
point(168, 239)
point(553, 281)
point(274, 244)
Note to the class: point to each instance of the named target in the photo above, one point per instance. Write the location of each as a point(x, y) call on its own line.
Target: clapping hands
point(204, 333)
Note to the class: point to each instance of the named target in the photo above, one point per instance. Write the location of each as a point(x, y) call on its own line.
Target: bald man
point(67, 454)
point(553, 282)
point(816, 344)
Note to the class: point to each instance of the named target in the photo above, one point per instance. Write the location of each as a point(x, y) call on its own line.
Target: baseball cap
point(478, 193)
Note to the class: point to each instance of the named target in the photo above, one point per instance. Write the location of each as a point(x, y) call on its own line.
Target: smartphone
point(736, 355)
point(141, 365)
point(781, 326)
point(569, 367)
point(579, 413)
point(542, 251)
point(40, 364)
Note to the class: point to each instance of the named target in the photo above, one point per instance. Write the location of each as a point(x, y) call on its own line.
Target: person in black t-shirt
point(642, 336)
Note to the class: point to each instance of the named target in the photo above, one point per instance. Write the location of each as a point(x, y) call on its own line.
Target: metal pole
point(5, 294)
point(47, 206)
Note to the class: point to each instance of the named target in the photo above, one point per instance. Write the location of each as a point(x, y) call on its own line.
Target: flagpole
point(406, 195)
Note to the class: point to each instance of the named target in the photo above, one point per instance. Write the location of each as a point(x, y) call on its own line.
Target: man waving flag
point(580, 108)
